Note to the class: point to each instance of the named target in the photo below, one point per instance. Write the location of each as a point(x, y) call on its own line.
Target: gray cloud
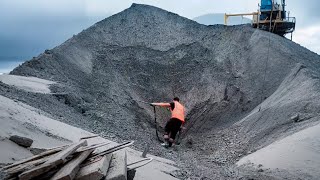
point(306, 12)
point(29, 37)
point(29, 27)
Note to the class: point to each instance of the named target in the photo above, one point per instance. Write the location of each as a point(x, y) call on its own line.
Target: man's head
point(176, 99)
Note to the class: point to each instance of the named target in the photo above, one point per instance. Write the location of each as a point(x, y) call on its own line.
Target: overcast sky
point(34, 25)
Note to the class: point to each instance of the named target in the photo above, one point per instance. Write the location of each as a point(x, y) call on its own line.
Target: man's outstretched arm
point(161, 104)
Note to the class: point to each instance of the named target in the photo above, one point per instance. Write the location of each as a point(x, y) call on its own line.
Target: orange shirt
point(178, 111)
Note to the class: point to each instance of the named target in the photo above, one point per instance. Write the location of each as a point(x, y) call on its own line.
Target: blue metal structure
point(284, 10)
point(266, 5)
point(273, 17)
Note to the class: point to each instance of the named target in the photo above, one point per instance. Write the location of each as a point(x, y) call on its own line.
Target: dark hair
point(176, 99)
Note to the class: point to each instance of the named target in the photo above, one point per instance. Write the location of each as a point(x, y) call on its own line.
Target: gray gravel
point(240, 85)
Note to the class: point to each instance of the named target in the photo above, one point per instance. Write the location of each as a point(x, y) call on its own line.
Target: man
point(176, 121)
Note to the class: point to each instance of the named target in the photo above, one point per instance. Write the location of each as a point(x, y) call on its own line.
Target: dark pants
point(172, 127)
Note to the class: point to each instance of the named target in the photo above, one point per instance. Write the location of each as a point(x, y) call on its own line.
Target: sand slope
point(21, 119)
point(31, 84)
point(297, 154)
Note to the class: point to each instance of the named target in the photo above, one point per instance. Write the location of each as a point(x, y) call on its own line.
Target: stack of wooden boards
point(74, 161)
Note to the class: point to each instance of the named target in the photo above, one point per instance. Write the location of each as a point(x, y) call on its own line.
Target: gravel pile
point(240, 85)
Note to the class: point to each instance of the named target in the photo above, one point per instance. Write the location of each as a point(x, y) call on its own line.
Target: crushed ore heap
point(240, 85)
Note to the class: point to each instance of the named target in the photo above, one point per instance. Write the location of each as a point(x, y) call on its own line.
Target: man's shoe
point(166, 145)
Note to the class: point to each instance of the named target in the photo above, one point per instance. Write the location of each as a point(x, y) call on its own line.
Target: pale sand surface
point(17, 118)
point(299, 152)
point(30, 84)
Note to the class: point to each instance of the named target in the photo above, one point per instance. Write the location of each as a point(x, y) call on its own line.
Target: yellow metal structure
point(226, 16)
point(271, 16)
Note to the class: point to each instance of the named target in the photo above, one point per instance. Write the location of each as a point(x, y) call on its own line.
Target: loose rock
point(22, 141)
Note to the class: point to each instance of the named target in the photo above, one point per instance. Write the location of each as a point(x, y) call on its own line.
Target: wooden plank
point(95, 170)
point(58, 159)
point(118, 166)
point(26, 166)
point(37, 171)
point(112, 149)
point(29, 165)
point(139, 163)
point(92, 146)
point(65, 153)
point(69, 171)
point(89, 137)
point(39, 156)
